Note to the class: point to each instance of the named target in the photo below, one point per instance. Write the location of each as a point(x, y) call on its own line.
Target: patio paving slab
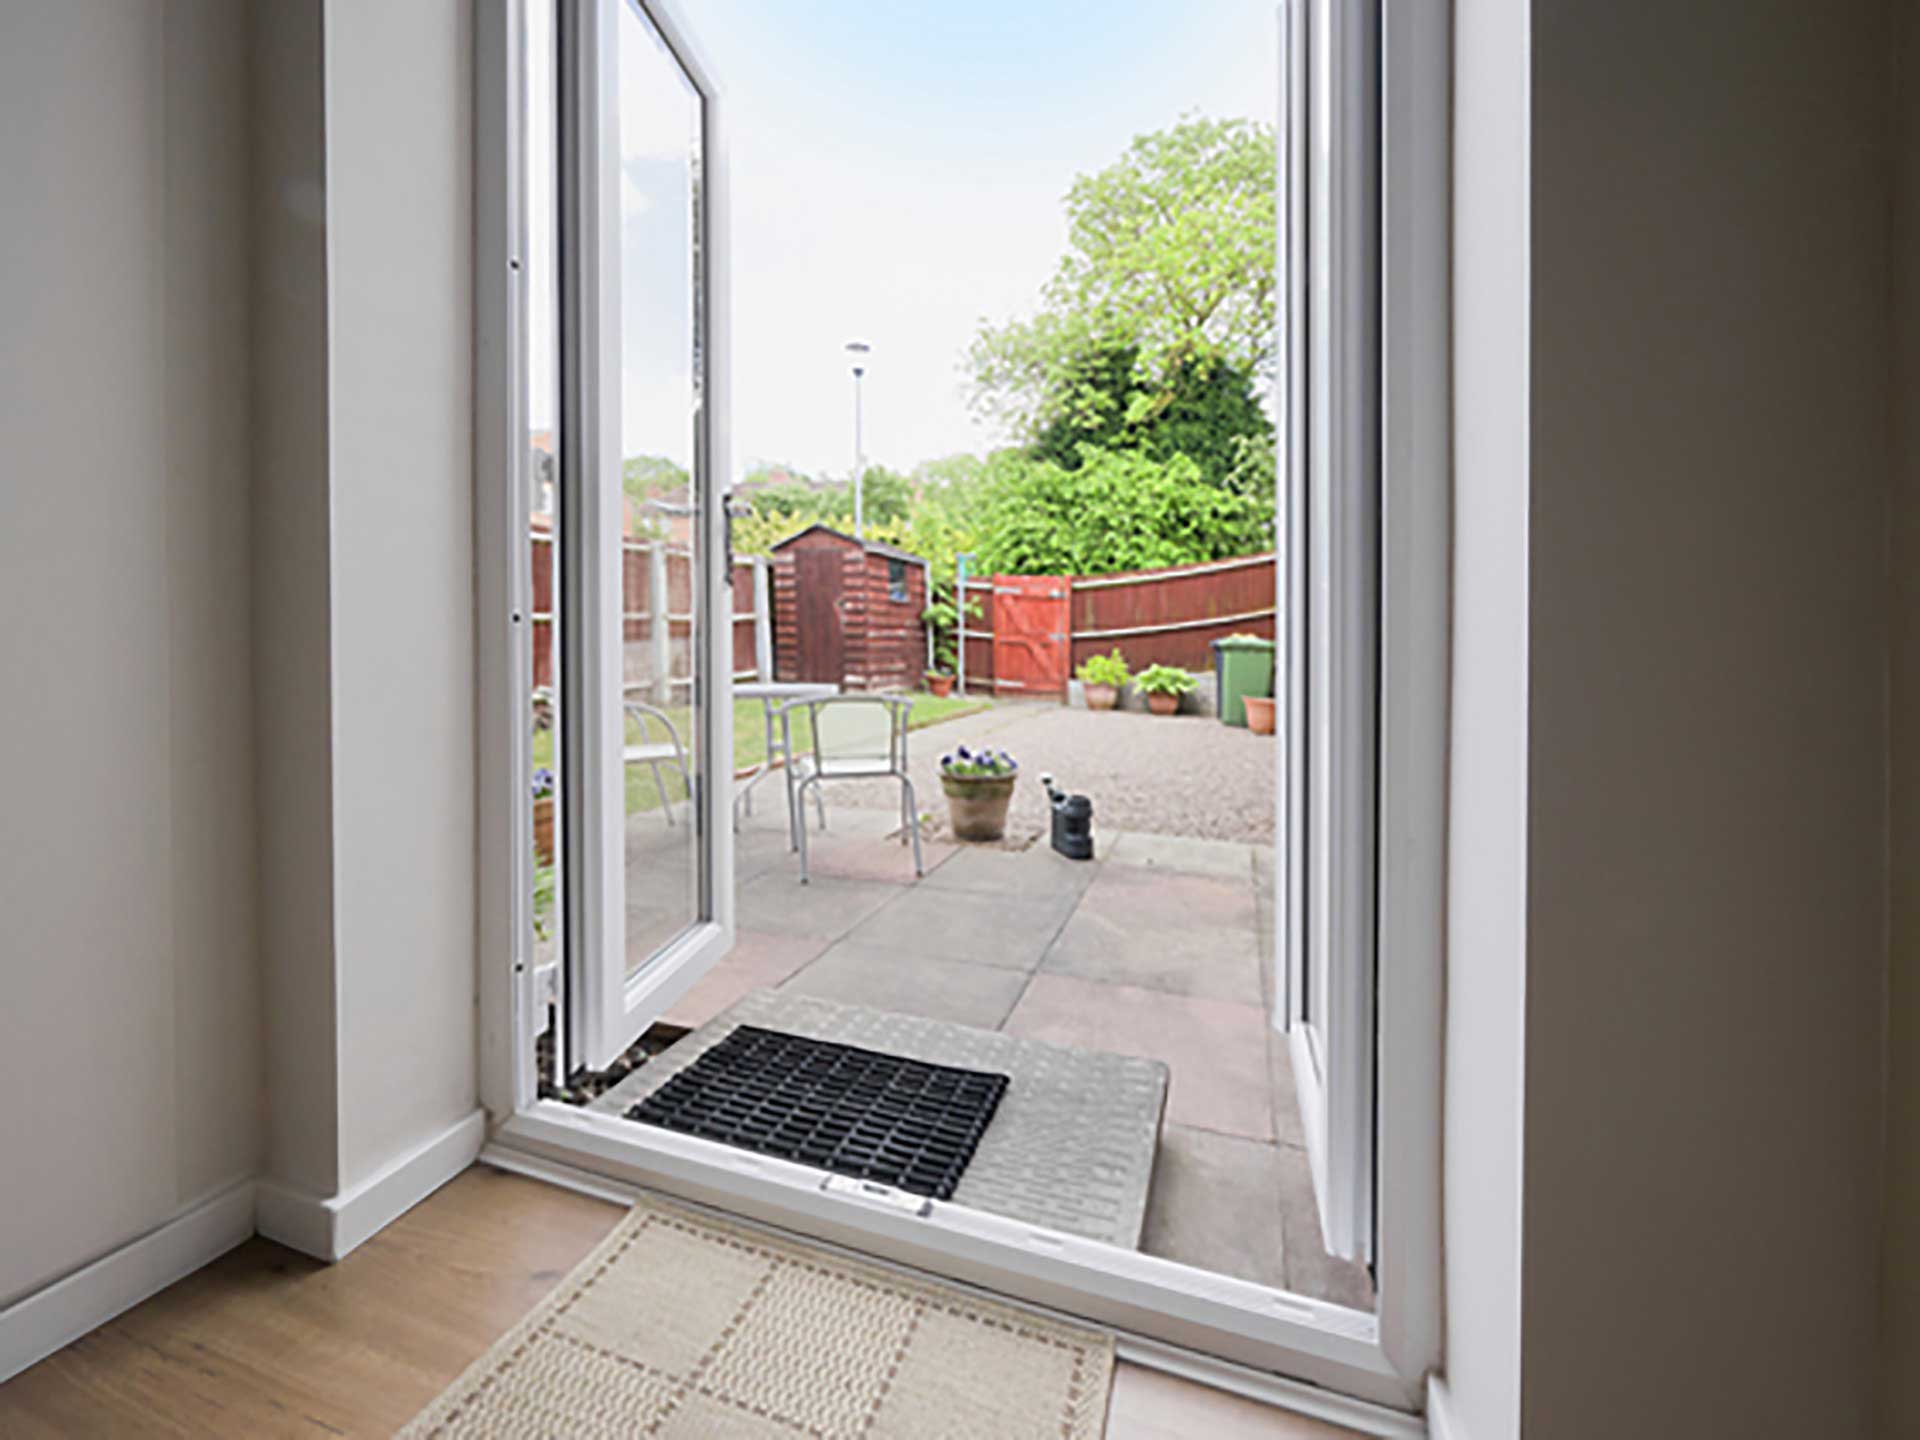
point(827, 908)
point(1010, 932)
point(1287, 1126)
point(853, 973)
point(1216, 1049)
point(760, 960)
point(1185, 854)
point(866, 857)
point(1035, 871)
point(1310, 1270)
point(1212, 1205)
point(1263, 907)
point(1169, 900)
point(1266, 860)
point(1214, 962)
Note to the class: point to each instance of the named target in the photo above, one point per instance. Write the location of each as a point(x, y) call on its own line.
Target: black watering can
point(1072, 822)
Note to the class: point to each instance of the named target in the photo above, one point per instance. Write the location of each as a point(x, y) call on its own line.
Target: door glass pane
point(663, 574)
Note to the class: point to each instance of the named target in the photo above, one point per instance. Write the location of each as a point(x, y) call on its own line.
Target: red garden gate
point(1031, 641)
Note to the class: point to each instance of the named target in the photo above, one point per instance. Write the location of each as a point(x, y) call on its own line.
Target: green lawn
point(749, 741)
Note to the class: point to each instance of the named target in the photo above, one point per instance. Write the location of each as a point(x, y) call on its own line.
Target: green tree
point(647, 476)
point(1170, 252)
point(1117, 510)
point(1203, 409)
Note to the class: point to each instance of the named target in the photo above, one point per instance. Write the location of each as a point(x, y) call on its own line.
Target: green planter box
point(1243, 665)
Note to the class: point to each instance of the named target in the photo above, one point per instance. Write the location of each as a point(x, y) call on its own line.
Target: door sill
point(1327, 1353)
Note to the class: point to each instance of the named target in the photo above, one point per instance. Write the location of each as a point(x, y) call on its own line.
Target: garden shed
point(847, 611)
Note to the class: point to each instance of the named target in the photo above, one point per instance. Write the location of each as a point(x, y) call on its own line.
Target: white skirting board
point(1442, 1423)
point(330, 1227)
point(326, 1227)
point(34, 1327)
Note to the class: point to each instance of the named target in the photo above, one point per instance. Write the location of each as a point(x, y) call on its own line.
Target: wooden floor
point(265, 1342)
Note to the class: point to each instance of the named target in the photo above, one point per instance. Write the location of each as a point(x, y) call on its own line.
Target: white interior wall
point(1672, 388)
point(292, 590)
point(130, 1044)
point(365, 547)
point(400, 227)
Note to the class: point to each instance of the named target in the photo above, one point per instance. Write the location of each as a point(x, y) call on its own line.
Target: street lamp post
point(859, 350)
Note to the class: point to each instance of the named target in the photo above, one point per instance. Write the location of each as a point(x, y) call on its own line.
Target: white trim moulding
point(56, 1315)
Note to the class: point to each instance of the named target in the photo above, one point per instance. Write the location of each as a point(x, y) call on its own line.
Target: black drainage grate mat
point(857, 1112)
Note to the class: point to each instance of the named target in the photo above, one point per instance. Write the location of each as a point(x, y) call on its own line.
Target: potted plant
point(1163, 686)
point(1101, 677)
point(942, 617)
point(1259, 713)
point(979, 786)
point(543, 814)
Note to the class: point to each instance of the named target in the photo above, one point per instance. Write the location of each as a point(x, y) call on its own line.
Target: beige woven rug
point(684, 1326)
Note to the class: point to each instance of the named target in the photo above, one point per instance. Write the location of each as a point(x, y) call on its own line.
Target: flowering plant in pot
point(1101, 676)
point(543, 814)
point(979, 787)
point(1163, 686)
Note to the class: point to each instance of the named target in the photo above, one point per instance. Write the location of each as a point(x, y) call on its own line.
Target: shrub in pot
point(979, 787)
point(1163, 686)
point(1101, 676)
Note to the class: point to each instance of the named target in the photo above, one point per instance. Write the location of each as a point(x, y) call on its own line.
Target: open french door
point(1330, 317)
point(647, 712)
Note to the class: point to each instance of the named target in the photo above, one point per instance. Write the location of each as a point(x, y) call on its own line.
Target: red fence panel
point(1173, 616)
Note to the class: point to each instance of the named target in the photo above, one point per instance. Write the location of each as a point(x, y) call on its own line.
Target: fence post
point(960, 611)
point(660, 626)
point(762, 620)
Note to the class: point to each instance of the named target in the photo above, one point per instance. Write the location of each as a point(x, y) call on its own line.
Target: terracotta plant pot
point(1102, 697)
point(939, 685)
point(977, 809)
point(1259, 713)
point(543, 829)
point(1163, 703)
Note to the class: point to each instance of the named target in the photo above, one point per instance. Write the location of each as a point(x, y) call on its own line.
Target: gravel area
point(1182, 775)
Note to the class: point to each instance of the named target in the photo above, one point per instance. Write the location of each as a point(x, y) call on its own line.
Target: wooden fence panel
point(637, 632)
point(980, 636)
point(1173, 616)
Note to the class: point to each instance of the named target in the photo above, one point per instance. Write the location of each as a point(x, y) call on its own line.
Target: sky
point(897, 172)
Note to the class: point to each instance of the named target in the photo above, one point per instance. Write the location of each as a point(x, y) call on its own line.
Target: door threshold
point(1261, 1386)
point(1329, 1353)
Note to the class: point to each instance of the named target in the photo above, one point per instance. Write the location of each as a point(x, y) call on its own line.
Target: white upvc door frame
point(607, 1005)
point(1331, 147)
point(1382, 1357)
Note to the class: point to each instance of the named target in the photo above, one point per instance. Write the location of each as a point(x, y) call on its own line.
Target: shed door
point(1030, 633)
point(819, 583)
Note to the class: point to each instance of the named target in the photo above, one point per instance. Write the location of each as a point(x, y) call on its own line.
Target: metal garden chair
point(655, 753)
point(854, 737)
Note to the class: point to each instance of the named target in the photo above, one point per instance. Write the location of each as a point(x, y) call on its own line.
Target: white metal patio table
point(772, 694)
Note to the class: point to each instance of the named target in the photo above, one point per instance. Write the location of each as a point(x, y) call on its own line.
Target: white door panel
point(649, 903)
point(1330, 250)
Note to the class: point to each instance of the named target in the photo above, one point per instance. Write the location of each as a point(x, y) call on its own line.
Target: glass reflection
point(661, 563)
